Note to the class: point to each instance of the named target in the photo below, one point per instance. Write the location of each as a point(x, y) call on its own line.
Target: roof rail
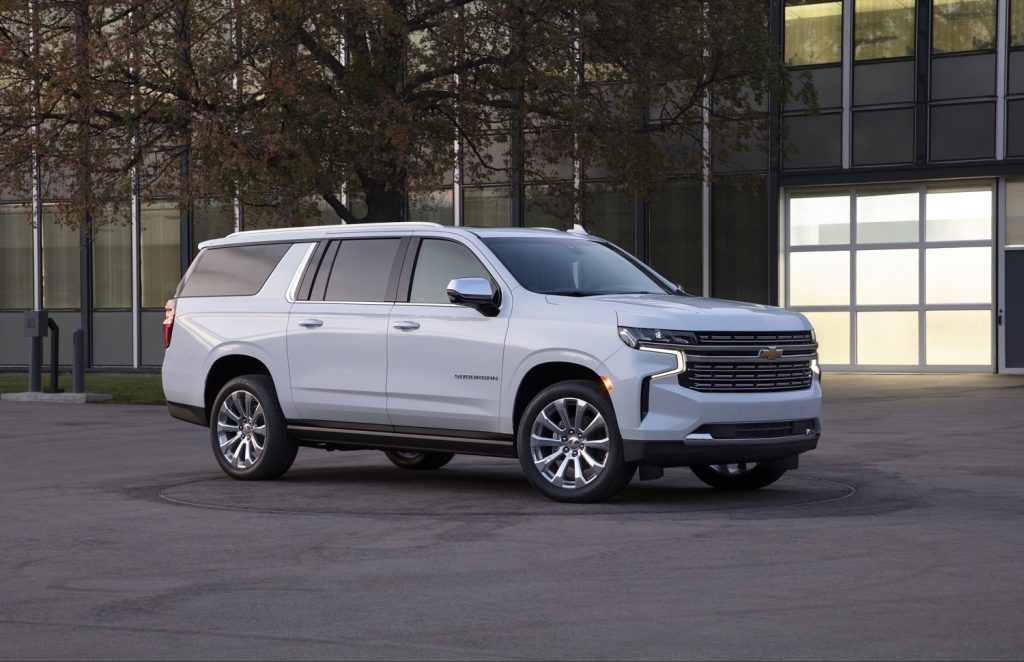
point(342, 226)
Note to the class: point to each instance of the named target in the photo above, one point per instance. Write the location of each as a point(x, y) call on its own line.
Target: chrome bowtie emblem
point(770, 353)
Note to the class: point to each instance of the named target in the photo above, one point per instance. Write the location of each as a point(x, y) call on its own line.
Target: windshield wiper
point(573, 293)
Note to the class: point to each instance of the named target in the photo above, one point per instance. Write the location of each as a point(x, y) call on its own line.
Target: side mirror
point(478, 293)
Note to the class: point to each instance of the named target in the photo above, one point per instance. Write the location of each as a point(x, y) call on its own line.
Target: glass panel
point(675, 234)
point(160, 253)
point(437, 264)
point(961, 132)
point(112, 266)
point(486, 207)
point(959, 337)
point(548, 206)
point(1016, 22)
point(959, 215)
point(887, 218)
point(888, 277)
point(887, 338)
point(814, 32)
point(958, 275)
point(963, 25)
point(819, 279)
point(571, 266)
point(362, 270)
point(741, 250)
point(609, 214)
point(233, 270)
point(432, 206)
point(1014, 214)
point(15, 256)
point(883, 29)
point(833, 332)
point(213, 220)
point(61, 258)
point(819, 220)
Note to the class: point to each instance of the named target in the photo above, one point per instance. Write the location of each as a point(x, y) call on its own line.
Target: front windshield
point(572, 267)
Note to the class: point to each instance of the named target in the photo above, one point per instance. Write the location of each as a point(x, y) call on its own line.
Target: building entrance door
point(1010, 314)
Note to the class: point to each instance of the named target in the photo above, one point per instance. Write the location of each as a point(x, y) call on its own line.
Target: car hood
point(688, 313)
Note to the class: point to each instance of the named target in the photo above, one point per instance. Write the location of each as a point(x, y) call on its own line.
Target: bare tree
point(281, 102)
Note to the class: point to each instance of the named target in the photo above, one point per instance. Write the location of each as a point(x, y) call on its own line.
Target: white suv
point(425, 341)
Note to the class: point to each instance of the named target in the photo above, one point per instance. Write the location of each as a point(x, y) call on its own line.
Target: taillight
point(168, 322)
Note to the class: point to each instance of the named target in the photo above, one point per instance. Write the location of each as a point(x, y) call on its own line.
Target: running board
point(350, 439)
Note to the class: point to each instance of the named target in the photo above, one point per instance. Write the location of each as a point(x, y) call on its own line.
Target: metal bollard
point(54, 354)
point(78, 368)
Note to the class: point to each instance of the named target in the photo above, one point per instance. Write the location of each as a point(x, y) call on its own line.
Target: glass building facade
point(892, 215)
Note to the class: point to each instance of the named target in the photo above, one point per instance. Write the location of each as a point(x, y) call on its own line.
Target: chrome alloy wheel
point(569, 443)
point(733, 469)
point(241, 429)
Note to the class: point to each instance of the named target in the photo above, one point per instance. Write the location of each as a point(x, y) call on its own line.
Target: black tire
point(603, 484)
point(278, 452)
point(753, 478)
point(414, 461)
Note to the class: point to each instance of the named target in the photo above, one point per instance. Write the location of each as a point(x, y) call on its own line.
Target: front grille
point(724, 362)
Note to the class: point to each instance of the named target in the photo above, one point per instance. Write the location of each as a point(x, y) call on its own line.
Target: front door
point(444, 360)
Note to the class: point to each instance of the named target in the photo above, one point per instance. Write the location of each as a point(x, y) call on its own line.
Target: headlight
point(660, 341)
point(635, 337)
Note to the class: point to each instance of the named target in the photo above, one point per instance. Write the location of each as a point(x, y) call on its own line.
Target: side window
point(364, 270)
point(232, 270)
point(439, 261)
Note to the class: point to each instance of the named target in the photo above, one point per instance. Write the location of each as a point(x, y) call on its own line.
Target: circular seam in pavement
point(393, 498)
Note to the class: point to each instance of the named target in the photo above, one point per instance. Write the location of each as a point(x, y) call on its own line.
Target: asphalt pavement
point(901, 537)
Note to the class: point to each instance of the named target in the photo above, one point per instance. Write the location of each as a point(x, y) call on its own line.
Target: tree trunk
point(385, 201)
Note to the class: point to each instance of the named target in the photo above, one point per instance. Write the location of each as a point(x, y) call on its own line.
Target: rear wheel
point(248, 432)
point(738, 477)
point(417, 461)
point(569, 444)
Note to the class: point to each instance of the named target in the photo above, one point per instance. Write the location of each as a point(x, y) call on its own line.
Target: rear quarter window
point(232, 270)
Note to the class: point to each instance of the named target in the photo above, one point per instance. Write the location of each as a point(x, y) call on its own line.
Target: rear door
point(444, 361)
point(337, 332)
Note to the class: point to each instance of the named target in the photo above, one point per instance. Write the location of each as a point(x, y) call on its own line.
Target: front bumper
point(701, 448)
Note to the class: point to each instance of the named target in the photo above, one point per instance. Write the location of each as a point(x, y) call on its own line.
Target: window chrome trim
point(297, 276)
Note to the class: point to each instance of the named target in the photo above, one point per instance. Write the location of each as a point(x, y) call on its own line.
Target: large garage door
point(895, 278)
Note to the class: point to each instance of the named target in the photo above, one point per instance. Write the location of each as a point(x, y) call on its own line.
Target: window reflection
point(883, 29)
point(963, 25)
point(814, 32)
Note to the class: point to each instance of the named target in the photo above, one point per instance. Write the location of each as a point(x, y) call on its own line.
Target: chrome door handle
point(311, 324)
point(406, 326)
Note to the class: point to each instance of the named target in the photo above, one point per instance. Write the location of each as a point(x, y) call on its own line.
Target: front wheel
point(569, 444)
point(416, 461)
point(737, 477)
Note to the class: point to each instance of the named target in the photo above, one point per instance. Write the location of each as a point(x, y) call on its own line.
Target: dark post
point(35, 364)
point(35, 328)
point(774, 167)
point(54, 354)
point(78, 367)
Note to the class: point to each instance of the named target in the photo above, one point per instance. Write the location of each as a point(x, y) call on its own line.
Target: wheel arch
point(226, 368)
point(543, 375)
